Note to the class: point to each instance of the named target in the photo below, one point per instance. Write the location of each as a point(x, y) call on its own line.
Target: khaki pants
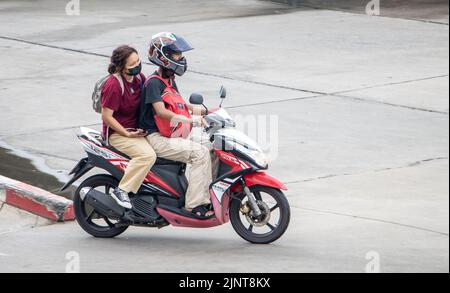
point(142, 159)
point(189, 152)
point(197, 135)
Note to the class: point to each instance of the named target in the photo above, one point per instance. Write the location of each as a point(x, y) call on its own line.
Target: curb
point(35, 200)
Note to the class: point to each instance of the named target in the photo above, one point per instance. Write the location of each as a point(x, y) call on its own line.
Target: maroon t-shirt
point(126, 106)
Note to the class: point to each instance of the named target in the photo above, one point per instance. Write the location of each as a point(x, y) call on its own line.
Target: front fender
point(261, 178)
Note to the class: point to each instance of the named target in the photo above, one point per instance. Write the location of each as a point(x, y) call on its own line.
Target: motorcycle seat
point(159, 161)
point(162, 161)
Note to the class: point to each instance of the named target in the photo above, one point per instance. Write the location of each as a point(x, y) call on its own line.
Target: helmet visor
point(180, 45)
point(171, 41)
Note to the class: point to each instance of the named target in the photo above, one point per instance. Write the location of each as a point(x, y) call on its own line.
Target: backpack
point(98, 88)
point(174, 103)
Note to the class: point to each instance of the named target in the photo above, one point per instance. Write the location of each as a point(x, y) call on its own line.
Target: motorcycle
point(241, 193)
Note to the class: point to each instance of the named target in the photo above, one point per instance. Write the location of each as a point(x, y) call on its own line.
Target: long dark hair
point(119, 58)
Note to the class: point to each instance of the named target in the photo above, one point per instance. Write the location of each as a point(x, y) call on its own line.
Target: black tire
point(247, 232)
point(80, 209)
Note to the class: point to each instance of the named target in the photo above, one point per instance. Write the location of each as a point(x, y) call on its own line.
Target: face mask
point(135, 70)
point(182, 67)
point(167, 73)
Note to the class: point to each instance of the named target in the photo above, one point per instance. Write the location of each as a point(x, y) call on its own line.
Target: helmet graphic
point(162, 48)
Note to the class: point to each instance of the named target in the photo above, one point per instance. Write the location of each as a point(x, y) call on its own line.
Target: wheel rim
point(91, 217)
point(254, 225)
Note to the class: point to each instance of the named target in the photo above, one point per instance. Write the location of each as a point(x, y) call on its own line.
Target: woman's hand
point(135, 133)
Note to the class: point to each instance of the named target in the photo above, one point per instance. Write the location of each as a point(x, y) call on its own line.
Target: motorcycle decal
point(154, 188)
point(99, 151)
point(231, 160)
point(152, 178)
point(219, 189)
point(121, 164)
point(228, 180)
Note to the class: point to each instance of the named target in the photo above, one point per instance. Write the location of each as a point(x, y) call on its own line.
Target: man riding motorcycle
point(165, 116)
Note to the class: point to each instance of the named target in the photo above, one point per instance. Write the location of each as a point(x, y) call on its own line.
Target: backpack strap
point(118, 76)
point(140, 77)
point(142, 80)
point(120, 80)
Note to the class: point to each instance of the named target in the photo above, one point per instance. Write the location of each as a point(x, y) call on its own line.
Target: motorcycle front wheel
point(267, 227)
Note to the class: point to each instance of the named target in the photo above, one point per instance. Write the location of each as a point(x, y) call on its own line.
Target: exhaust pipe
point(102, 203)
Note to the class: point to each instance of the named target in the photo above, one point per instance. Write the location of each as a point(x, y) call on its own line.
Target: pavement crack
point(420, 162)
point(320, 178)
point(53, 46)
point(277, 101)
point(260, 83)
point(390, 83)
point(391, 104)
point(413, 164)
point(373, 219)
point(315, 93)
point(81, 51)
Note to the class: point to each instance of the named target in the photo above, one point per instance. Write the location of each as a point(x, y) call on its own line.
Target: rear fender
point(83, 166)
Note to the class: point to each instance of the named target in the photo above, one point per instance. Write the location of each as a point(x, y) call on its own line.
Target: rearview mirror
point(196, 99)
point(223, 92)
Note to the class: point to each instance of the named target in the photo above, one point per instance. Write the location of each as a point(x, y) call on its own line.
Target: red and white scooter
point(241, 193)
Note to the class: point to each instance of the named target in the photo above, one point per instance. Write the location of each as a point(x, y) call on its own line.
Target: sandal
point(202, 211)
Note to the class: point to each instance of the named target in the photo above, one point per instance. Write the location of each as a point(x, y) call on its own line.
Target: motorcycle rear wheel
point(89, 220)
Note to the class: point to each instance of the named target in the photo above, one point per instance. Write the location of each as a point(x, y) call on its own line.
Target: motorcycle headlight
point(255, 155)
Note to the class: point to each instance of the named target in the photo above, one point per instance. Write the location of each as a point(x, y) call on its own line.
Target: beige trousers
point(189, 152)
point(197, 135)
point(142, 159)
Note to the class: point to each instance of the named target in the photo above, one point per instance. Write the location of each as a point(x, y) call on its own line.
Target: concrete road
point(423, 10)
point(361, 127)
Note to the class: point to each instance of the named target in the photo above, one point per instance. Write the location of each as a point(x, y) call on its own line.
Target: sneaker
point(121, 197)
